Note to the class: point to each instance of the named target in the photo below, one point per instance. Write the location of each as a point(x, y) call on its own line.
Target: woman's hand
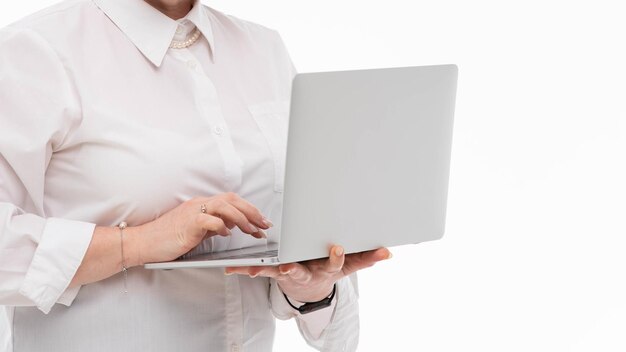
point(168, 237)
point(184, 227)
point(313, 280)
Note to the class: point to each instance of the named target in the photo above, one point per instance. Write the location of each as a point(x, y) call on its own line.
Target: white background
point(534, 254)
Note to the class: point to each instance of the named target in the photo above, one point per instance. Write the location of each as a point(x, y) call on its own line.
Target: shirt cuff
point(57, 258)
point(314, 322)
point(67, 297)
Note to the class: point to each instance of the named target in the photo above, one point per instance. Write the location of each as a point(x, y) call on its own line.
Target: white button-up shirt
point(100, 121)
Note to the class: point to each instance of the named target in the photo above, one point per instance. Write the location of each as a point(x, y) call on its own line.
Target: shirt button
point(218, 130)
point(180, 29)
point(191, 64)
point(234, 348)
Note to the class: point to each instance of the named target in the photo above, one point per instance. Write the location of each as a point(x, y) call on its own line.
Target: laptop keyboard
point(266, 254)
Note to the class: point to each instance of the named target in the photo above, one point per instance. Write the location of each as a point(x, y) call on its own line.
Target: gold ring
point(203, 208)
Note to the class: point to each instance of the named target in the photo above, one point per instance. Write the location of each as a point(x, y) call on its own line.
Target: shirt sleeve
point(39, 108)
point(335, 328)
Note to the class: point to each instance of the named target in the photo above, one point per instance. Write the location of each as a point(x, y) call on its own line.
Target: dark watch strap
point(313, 306)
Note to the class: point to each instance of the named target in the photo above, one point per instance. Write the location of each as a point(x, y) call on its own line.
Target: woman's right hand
point(168, 237)
point(184, 227)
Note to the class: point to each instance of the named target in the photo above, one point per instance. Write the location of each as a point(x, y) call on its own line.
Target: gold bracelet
point(122, 226)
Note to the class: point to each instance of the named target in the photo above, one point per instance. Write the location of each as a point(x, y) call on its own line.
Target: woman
point(162, 116)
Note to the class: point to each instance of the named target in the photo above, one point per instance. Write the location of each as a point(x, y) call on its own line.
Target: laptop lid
point(368, 159)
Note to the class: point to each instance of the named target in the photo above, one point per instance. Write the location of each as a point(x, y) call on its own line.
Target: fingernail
point(262, 234)
point(227, 273)
point(252, 228)
point(390, 255)
point(252, 276)
point(266, 222)
point(338, 251)
point(285, 272)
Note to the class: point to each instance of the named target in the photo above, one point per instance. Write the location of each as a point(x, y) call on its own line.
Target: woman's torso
point(209, 120)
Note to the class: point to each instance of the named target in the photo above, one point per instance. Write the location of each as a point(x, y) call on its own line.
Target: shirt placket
point(208, 104)
point(234, 314)
point(207, 101)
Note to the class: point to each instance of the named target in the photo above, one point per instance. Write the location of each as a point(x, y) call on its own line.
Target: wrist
point(307, 295)
point(310, 307)
point(133, 246)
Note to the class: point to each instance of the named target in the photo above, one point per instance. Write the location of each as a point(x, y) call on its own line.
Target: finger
point(250, 211)
point(264, 271)
point(296, 272)
point(254, 271)
point(335, 260)
point(358, 261)
point(376, 255)
point(229, 224)
point(241, 270)
point(229, 213)
point(212, 224)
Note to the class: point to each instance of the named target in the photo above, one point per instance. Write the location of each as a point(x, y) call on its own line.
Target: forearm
point(335, 328)
point(104, 254)
point(167, 237)
point(39, 257)
point(342, 331)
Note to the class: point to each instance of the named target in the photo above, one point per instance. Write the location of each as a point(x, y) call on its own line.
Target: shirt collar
point(150, 30)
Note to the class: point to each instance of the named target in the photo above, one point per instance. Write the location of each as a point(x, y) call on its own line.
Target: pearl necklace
point(176, 44)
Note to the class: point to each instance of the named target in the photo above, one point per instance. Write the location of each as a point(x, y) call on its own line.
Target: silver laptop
point(368, 159)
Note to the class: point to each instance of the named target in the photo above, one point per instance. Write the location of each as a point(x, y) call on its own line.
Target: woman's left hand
point(313, 280)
